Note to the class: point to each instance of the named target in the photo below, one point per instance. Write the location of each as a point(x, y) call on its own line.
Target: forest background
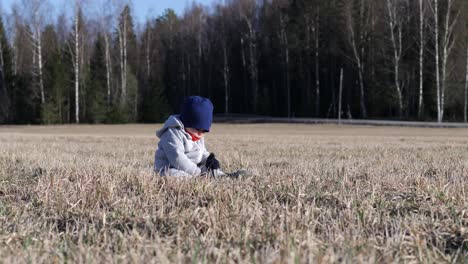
point(399, 59)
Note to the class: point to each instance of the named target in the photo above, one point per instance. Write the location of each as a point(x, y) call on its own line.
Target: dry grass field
point(319, 194)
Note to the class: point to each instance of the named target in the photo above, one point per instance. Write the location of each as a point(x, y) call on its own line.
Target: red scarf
point(194, 137)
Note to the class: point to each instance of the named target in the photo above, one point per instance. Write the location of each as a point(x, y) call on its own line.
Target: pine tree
point(128, 64)
point(96, 101)
point(51, 111)
point(6, 76)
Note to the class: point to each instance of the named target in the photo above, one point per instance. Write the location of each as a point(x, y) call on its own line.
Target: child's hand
point(211, 162)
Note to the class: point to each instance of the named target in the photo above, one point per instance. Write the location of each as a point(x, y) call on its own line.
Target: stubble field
point(318, 194)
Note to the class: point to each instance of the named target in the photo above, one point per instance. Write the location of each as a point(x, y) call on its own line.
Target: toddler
point(181, 150)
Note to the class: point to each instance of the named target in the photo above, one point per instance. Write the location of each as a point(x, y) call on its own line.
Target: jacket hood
point(172, 122)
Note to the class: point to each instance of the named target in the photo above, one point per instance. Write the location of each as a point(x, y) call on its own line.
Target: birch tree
point(311, 19)
point(223, 33)
point(77, 58)
point(466, 87)
point(247, 13)
point(444, 42)
point(421, 57)
point(195, 18)
point(122, 34)
point(396, 16)
point(285, 46)
point(127, 48)
point(148, 50)
point(15, 33)
point(356, 41)
point(22, 50)
point(316, 34)
point(35, 15)
point(106, 20)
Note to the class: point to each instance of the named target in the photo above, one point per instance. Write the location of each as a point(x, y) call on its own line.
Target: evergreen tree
point(128, 64)
point(52, 111)
point(25, 108)
point(6, 77)
point(96, 105)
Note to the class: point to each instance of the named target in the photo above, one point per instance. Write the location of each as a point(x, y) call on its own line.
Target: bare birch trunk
point(135, 109)
point(108, 69)
point(340, 96)
point(189, 74)
point(226, 79)
point(244, 71)
point(466, 86)
point(77, 66)
point(15, 50)
point(448, 42)
point(317, 63)
point(285, 44)
point(309, 90)
point(358, 61)
point(2, 63)
point(148, 52)
point(253, 62)
point(361, 101)
point(15, 60)
point(39, 64)
point(123, 62)
point(394, 23)
point(124, 84)
point(184, 82)
point(436, 32)
point(421, 58)
point(199, 58)
point(288, 85)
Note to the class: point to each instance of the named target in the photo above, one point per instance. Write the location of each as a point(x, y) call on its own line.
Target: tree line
point(399, 59)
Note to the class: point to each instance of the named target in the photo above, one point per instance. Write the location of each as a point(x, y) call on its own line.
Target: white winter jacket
point(177, 154)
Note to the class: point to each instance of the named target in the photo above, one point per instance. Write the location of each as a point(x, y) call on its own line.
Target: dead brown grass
point(318, 194)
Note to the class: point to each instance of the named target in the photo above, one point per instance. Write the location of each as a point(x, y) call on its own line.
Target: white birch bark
point(316, 30)
point(199, 42)
point(285, 44)
point(148, 51)
point(447, 45)
point(421, 58)
point(443, 48)
point(340, 96)
point(39, 64)
point(124, 84)
point(226, 78)
point(189, 74)
point(108, 68)
point(77, 65)
point(465, 114)
point(436, 35)
point(106, 22)
point(244, 72)
point(36, 17)
point(252, 61)
point(357, 58)
point(394, 23)
point(122, 32)
point(15, 33)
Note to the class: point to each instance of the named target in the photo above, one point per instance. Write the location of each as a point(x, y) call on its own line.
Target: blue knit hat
point(197, 112)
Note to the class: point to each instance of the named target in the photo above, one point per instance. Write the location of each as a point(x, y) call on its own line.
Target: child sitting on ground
point(181, 149)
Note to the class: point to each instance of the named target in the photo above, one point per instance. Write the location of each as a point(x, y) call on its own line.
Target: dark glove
point(211, 162)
